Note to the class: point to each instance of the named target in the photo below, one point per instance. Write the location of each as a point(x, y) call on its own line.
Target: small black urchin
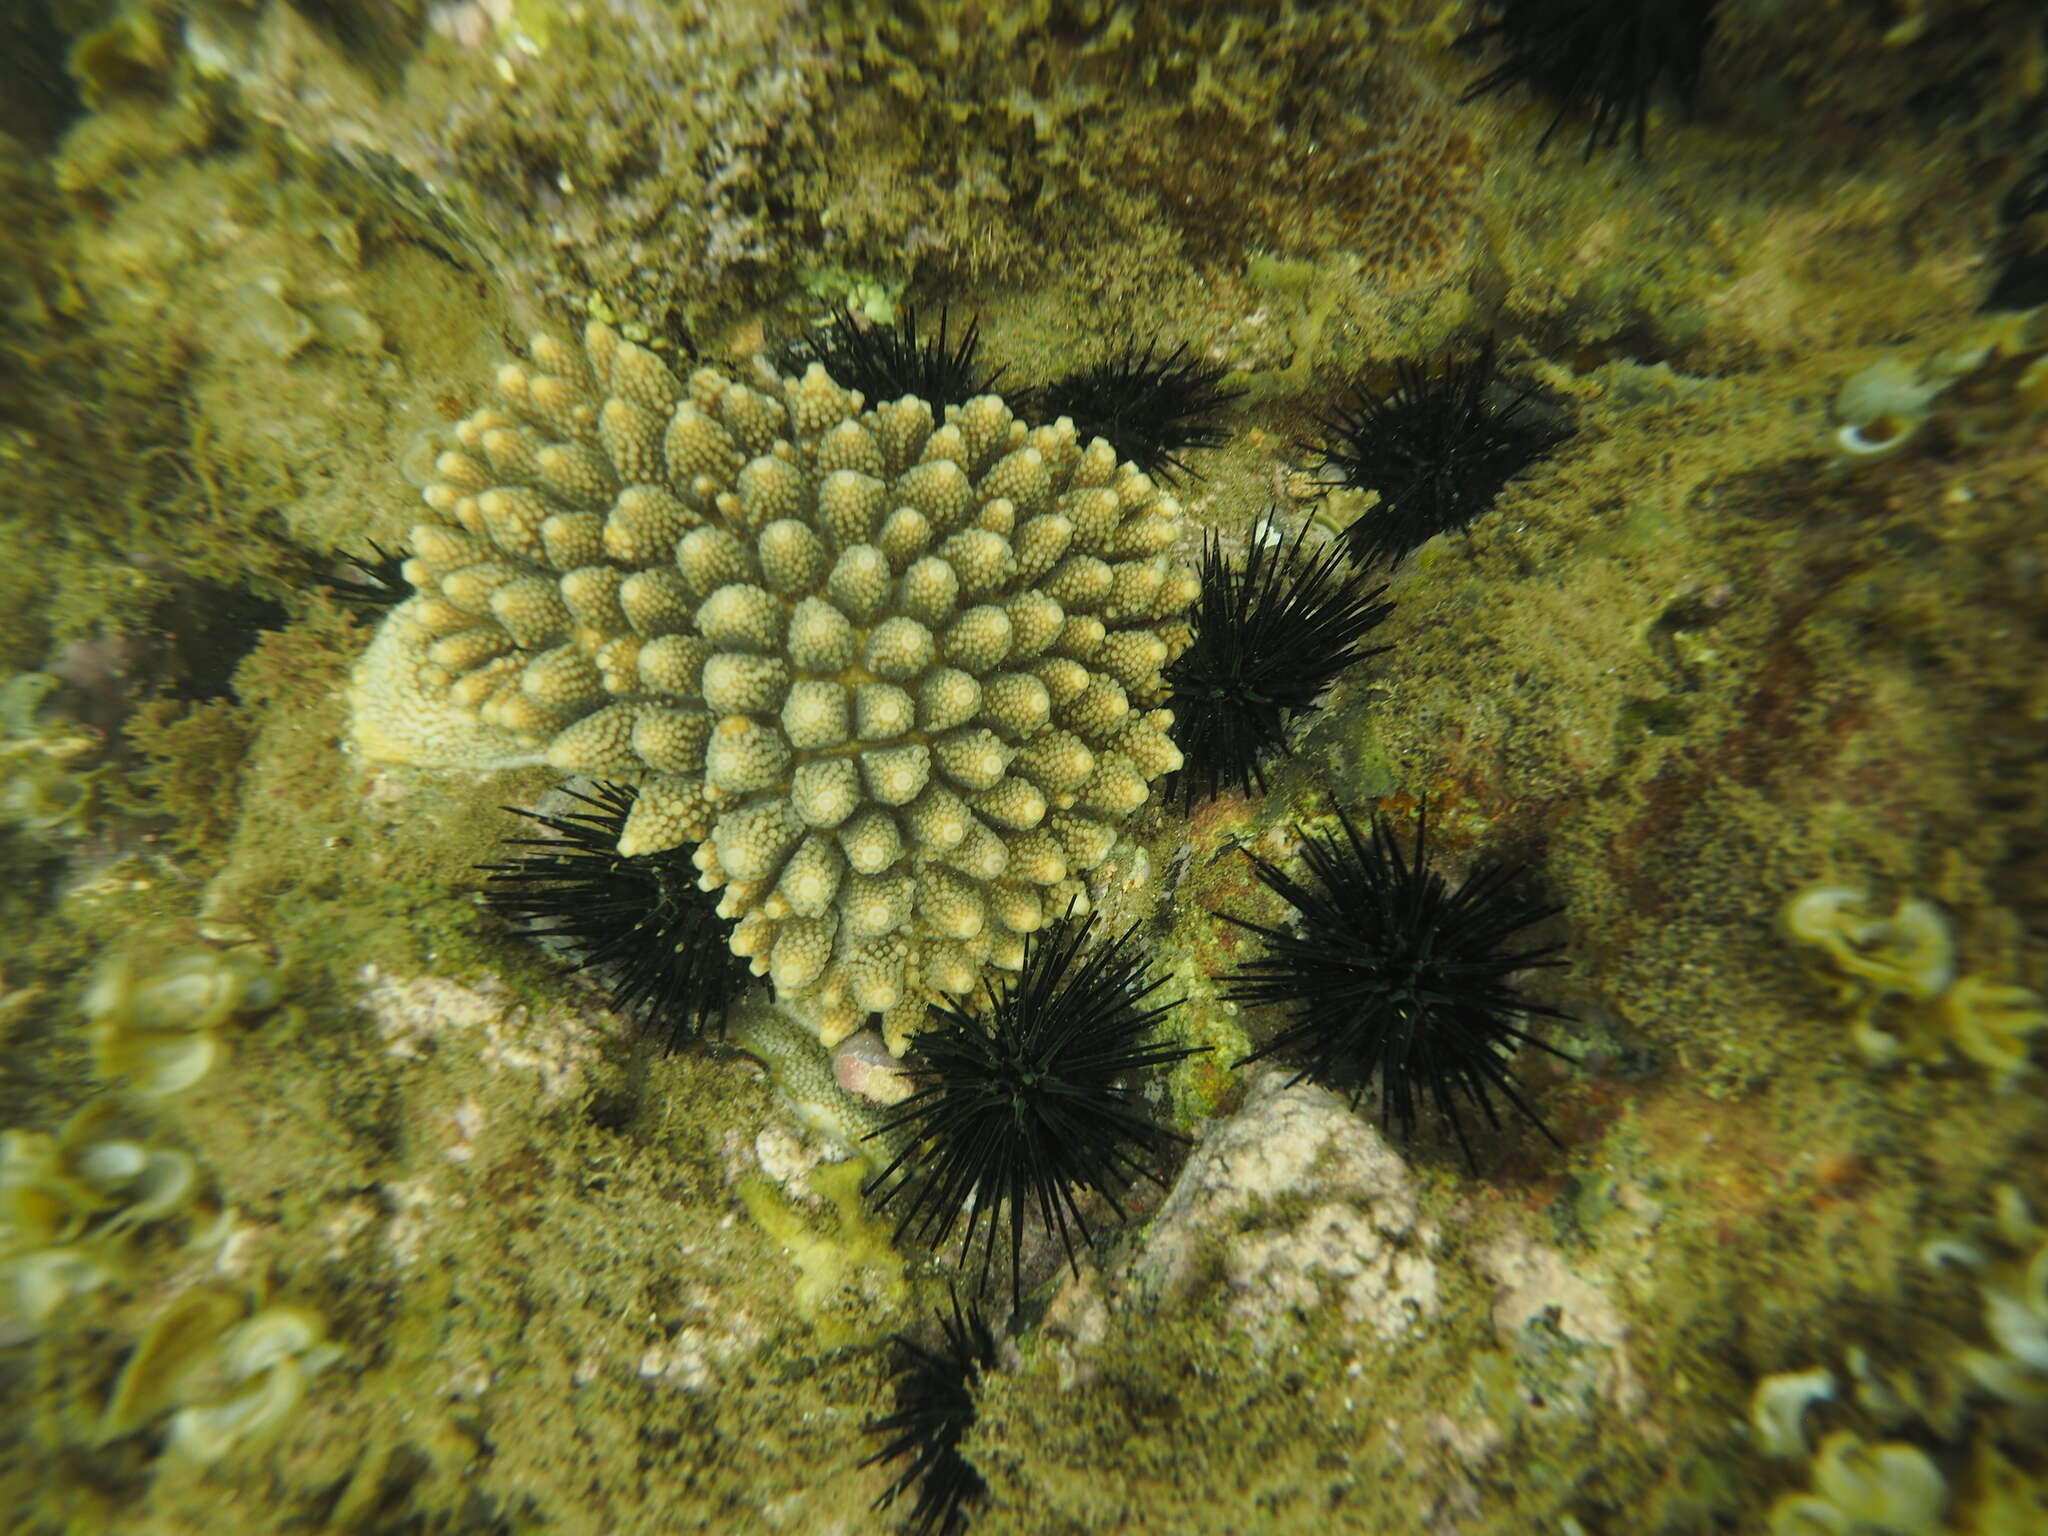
point(1600, 57)
point(1033, 1100)
point(1391, 975)
point(1151, 408)
point(1269, 637)
point(1437, 449)
point(887, 362)
point(379, 579)
point(934, 1410)
point(640, 921)
point(2022, 249)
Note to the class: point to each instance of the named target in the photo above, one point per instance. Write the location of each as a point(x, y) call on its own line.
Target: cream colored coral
point(898, 678)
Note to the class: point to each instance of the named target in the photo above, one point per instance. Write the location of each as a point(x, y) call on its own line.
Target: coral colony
point(899, 680)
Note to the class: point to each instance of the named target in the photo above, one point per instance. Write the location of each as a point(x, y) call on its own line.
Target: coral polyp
point(1394, 979)
point(897, 677)
point(1025, 1103)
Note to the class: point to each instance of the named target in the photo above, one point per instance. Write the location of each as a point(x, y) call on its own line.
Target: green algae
point(1311, 294)
point(853, 1255)
point(1687, 666)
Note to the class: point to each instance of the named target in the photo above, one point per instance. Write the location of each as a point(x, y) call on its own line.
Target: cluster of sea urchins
point(1029, 1094)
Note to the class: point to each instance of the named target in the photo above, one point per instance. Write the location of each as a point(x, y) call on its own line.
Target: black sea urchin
point(1269, 637)
point(887, 362)
point(1392, 975)
point(1438, 449)
point(1603, 58)
point(639, 922)
point(934, 1410)
point(1033, 1100)
point(1151, 408)
point(2022, 250)
point(379, 580)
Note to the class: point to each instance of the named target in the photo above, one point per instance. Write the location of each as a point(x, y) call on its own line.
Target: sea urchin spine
point(1393, 976)
point(639, 921)
point(886, 362)
point(1268, 637)
point(1151, 406)
point(1604, 58)
point(935, 1392)
point(1437, 449)
point(1033, 1100)
point(379, 580)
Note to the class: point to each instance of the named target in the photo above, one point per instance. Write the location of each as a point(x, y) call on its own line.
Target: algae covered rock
point(1306, 1202)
